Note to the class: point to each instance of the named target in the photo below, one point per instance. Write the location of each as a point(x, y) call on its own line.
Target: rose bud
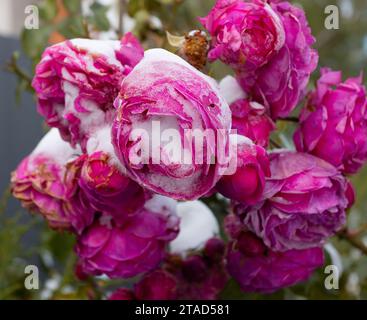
point(249, 118)
point(77, 81)
point(259, 269)
point(245, 35)
point(247, 183)
point(333, 125)
point(305, 202)
point(136, 247)
point(281, 83)
point(38, 182)
point(167, 100)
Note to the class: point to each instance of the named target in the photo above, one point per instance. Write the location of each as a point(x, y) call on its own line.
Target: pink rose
point(259, 269)
point(333, 125)
point(247, 183)
point(136, 247)
point(108, 190)
point(304, 203)
point(249, 118)
point(39, 184)
point(77, 81)
point(164, 102)
point(245, 35)
point(281, 83)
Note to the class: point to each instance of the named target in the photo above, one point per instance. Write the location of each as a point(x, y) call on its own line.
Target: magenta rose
point(163, 105)
point(281, 83)
point(77, 81)
point(136, 247)
point(259, 269)
point(156, 285)
point(245, 35)
point(249, 118)
point(304, 203)
point(39, 184)
point(333, 125)
point(108, 190)
point(247, 184)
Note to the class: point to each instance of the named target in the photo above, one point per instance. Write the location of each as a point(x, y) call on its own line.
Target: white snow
point(231, 90)
point(158, 203)
point(198, 224)
point(101, 141)
point(237, 139)
point(154, 55)
point(52, 145)
point(106, 48)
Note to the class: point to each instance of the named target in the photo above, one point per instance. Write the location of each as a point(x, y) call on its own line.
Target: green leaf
point(72, 6)
point(99, 18)
point(60, 244)
point(72, 27)
point(48, 10)
point(134, 6)
point(35, 41)
point(165, 2)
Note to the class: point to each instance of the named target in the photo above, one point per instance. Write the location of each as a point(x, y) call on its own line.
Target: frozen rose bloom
point(163, 111)
point(244, 34)
point(247, 184)
point(333, 125)
point(198, 224)
point(108, 190)
point(249, 118)
point(104, 180)
point(38, 181)
point(77, 81)
point(259, 269)
point(122, 294)
point(136, 247)
point(281, 83)
point(305, 202)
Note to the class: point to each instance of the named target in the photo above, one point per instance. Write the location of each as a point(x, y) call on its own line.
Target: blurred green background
point(344, 49)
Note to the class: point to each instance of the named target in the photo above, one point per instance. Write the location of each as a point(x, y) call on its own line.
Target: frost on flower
point(162, 101)
point(39, 183)
point(77, 80)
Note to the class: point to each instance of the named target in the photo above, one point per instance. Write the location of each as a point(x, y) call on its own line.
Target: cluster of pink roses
point(100, 174)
